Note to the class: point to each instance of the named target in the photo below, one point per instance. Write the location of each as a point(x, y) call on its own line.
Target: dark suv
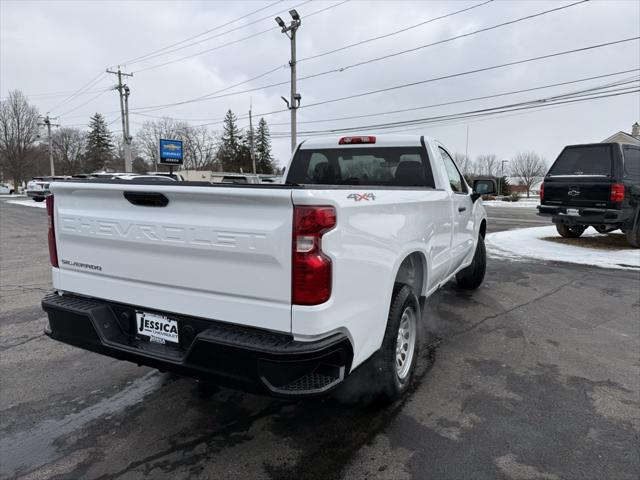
point(594, 185)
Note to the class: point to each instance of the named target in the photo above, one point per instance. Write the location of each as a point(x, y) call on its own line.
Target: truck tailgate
point(220, 253)
point(578, 191)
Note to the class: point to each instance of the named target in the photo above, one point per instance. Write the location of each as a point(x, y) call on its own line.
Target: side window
point(632, 163)
point(456, 181)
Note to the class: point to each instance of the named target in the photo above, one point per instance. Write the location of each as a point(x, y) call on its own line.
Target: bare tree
point(68, 150)
point(200, 149)
point(465, 164)
point(529, 167)
point(18, 135)
point(152, 131)
point(487, 165)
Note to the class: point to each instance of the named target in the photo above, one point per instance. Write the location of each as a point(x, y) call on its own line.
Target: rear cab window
point(379, 166)
point(584, 160)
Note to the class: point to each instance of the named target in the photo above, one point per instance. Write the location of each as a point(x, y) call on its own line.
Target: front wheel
point(472, 277)
point(395, 362)
point(567, 231)
point(38, 199)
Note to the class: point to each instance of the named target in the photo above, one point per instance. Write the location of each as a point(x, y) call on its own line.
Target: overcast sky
point(57, 47)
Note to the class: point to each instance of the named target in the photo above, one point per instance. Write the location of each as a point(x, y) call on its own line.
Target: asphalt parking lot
point(537, 376)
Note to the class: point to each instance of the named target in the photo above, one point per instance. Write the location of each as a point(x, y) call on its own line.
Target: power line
point(404, 110)
point(440, 42)
point(82, 89)
point(53, 95)
point(100, 93)
point(571, 98)
point(279, 67)
point(472, 99)
point(141, 57)
point(396, 32)
point(214, 95)
point(470, 72)
point(262, 32)
point(401, 86)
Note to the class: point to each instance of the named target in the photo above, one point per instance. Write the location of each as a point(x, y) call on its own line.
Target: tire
point(633, 236)
point(38, 199)
point(570, 232)
point(395, 362)
point(472, 277)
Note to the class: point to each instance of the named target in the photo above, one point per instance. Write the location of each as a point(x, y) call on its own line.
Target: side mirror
point(483, 187)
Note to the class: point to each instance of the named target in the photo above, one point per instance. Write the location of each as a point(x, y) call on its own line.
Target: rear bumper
point(587, 216)
point(231, 355)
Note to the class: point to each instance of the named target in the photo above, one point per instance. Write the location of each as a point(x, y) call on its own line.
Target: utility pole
point(47, 121)
point(123, 89)
point(294, 101)
point(466, 152)
point(252, 142)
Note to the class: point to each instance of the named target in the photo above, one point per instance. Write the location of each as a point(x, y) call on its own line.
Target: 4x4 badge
point(361, 196)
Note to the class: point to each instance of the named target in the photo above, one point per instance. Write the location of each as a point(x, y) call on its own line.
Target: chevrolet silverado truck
point(281, 288)
point(594, 185)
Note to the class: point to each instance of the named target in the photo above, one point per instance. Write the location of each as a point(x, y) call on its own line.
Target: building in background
point(632, 138)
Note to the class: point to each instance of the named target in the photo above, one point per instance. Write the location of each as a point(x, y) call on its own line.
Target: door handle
point(461, 209)
point(146, 199)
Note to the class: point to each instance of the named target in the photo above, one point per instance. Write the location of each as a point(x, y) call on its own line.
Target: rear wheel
point(472, 277)
point(38, 199)
point(567, 231)
point(395, 362)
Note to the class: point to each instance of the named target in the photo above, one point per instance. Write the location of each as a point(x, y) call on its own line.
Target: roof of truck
point(380, 141)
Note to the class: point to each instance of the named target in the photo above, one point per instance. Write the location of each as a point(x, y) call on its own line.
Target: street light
point(294, 101)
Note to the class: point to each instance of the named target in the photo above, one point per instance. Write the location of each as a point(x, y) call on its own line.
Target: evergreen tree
point(99, 153)
point(230, 144)
point(264, 159)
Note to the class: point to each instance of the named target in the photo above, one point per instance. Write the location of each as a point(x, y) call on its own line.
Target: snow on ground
point(529, 242)
point(28, 203)
point(522, 203)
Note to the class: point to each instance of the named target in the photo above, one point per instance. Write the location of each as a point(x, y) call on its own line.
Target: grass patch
point(610, 241)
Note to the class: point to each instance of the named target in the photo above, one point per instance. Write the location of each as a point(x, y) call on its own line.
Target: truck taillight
point(53, 250)
point(617, 192)
point(541, 192)
point(311, 269)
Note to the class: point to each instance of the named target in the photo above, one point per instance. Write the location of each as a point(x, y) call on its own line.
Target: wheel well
point(483, 228)
point(411, 272)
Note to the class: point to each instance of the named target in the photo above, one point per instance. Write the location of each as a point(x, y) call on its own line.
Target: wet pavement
point(537, 376)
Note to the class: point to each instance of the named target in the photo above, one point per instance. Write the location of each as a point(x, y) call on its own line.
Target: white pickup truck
point(283, 287)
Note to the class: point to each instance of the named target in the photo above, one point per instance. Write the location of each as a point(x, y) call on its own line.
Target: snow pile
point(522, 203)
point(528, 242)
point(28, 203)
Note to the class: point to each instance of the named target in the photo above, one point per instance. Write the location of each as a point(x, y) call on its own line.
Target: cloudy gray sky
point(50, 49)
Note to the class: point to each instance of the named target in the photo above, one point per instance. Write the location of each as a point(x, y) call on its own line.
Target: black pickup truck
point(594, 185)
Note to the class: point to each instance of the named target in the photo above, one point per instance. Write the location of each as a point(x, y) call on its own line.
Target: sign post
point(171, 153)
